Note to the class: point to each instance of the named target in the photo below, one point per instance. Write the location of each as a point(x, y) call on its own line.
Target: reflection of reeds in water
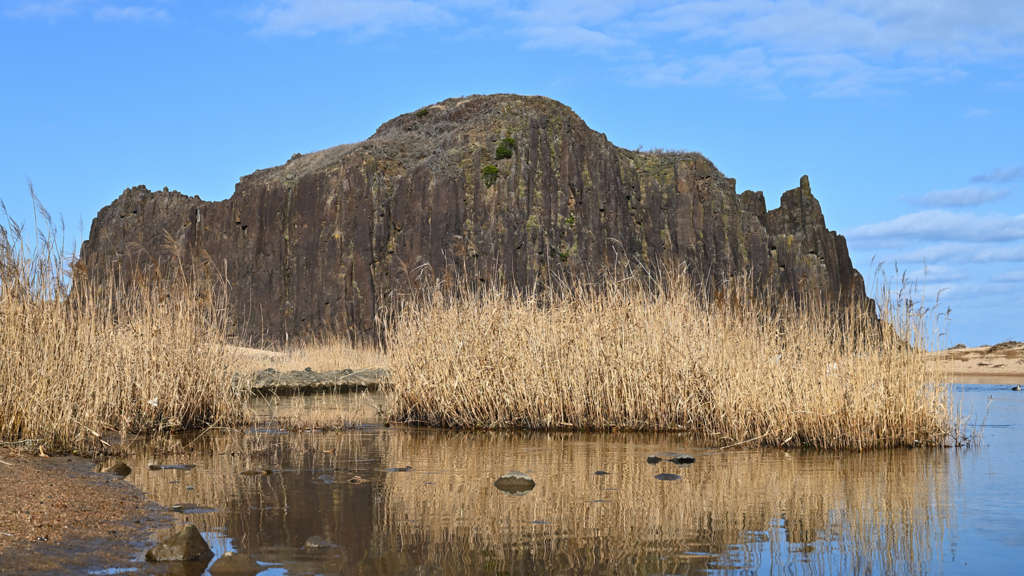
point(321, 411)
point(883, 511)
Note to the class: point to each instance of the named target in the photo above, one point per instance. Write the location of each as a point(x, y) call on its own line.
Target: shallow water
point(424, 501)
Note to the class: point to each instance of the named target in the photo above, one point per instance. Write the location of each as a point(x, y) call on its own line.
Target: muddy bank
point(58, 516)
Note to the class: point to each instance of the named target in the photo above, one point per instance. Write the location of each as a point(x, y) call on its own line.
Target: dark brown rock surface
point(313, 244)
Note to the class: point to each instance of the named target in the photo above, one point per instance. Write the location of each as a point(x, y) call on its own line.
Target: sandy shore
point(1002, 361)
point(58, 516)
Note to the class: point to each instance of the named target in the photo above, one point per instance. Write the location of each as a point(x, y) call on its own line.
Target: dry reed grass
point(77, 360)
point(732, 369)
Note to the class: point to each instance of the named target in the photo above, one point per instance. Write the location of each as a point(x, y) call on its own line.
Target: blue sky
point(906, 114)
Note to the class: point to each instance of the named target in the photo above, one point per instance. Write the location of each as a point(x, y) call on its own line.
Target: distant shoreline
point(1002, 361)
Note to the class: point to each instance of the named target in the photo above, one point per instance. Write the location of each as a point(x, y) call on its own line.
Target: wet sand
point(58, 516)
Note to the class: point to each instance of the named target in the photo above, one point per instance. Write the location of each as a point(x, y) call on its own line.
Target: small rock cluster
point(188, 547)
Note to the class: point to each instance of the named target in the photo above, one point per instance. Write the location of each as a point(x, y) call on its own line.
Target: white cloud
point(977, 113)
point(132, 13)
point(1001, 175)
point(959, 197)
point(931, 225)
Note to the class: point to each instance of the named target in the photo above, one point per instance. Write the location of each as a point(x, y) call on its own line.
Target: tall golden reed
point(79, 360)
point(729, 370)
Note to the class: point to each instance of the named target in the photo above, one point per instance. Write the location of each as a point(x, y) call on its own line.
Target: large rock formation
point(313, 244)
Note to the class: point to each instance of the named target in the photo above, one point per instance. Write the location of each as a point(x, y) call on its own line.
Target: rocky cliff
point(506, 188)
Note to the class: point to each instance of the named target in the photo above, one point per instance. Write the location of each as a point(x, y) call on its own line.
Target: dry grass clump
point(78, 360)
point(729, 370)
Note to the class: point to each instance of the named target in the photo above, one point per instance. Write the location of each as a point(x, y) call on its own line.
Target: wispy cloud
point(835, 47)
point(977, 113)
point(131, 13)
point(938, 225)
point(938, 274)
point(962, 252)
point(1010, 276)
point(54, 9)
point(307, 17)
point(959, 197)
point(828, 48)
point(1001, 175)
point(47, 10)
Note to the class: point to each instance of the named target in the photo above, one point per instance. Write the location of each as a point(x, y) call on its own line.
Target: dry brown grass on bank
point(730, 372)
point(78, 361)
point(331, 352)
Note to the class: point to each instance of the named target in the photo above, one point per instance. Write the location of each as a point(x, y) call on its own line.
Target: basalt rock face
point(314, 244)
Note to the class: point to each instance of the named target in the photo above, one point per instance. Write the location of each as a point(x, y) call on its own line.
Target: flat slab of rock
point(235, 564)
point(515, 483)
point(185, 545)
point(271, 382)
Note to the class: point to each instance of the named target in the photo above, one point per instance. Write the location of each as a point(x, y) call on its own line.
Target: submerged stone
point(171, 466)
point(235, 564)
point(190, 508)
point(185, 545)
point(515, 483)
point(317, 542)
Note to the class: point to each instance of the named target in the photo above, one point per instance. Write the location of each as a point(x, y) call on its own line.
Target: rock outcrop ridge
point(504, 188)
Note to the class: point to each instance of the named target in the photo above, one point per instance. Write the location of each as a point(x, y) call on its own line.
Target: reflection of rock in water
point(515, 483)
point(235, 564)
point(672, 457)
point(271, 516)
point(742, 508)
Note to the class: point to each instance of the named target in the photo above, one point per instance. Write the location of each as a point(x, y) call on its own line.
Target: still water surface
point(419, 502)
